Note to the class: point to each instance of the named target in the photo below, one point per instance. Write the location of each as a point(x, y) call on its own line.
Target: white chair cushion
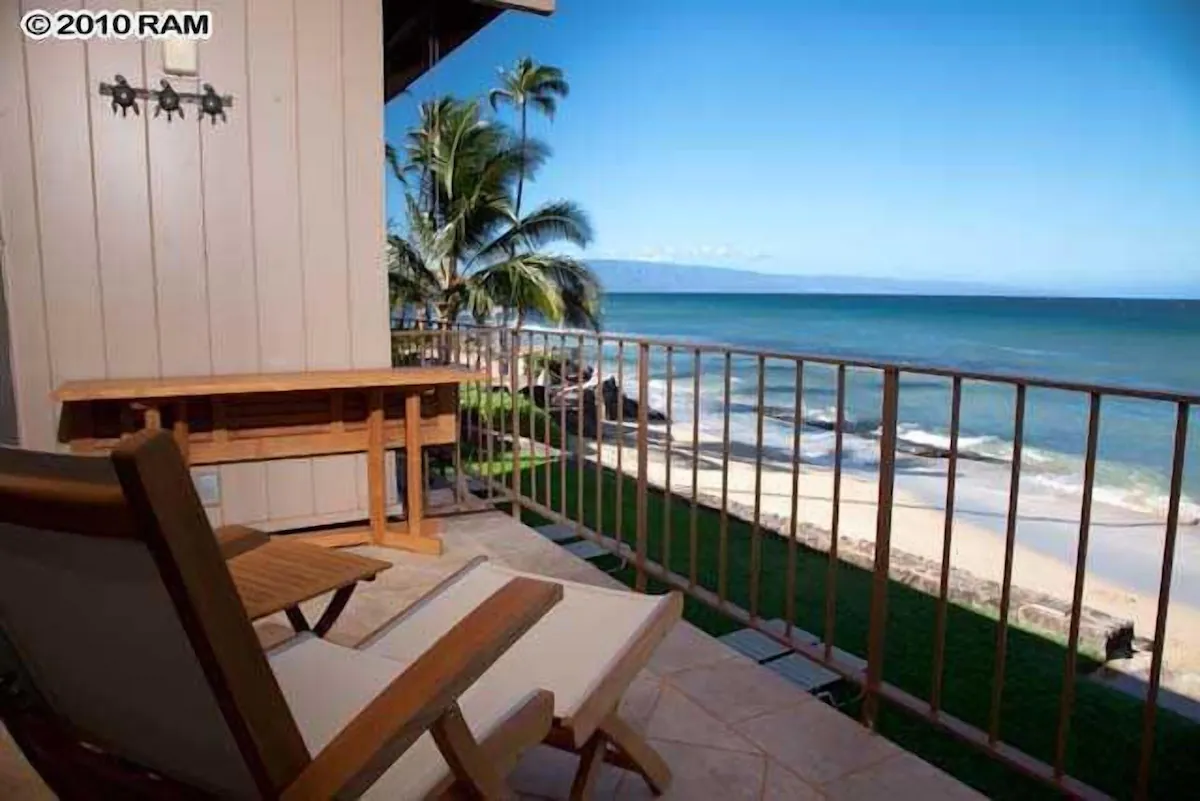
point(326, 685)
point(566, 652)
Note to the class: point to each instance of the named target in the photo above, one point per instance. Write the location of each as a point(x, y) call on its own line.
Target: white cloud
point(698, 254)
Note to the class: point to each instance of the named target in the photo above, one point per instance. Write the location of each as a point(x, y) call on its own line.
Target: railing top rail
point(1141, 393)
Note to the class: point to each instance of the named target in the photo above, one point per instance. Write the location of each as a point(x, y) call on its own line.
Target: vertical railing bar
point(619, 511)
point(546, 419)
point(600, 414)
point(723, 544)
point(877, 625)
point(1010, 541)
point(459, 484)
point(483, 430)
point(798, 417)
point(479, 439)
point(756, 524)
point(491, 433)
point(835, 516)
point(939, 637)
point(533, 437)
point(643, 368)
point(514, 353)
point(562, 425)
point(669, 494)
point(693, 516)
point(1085, 524)
point(1164, 601)
point(503, 343)
point(579, 472)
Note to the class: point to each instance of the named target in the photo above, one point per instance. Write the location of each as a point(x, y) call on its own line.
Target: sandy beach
point(1124, 554)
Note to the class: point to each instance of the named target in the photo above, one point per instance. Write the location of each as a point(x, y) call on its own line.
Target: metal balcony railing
point(497, 429)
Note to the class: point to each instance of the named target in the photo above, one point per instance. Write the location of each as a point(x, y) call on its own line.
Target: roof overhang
point(419, 33)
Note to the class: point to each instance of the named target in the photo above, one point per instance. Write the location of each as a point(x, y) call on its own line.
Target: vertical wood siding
point(133, 246)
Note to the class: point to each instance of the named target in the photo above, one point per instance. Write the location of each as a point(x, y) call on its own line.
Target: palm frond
point(579, 291)
point(559, 221)
point(545, 104)
point(521, 284)
point(530, 83)
point(393, 161)
point(496, 97)
point(410, 279)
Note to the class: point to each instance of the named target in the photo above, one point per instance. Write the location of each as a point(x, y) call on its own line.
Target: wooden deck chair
point(129, 669)
point(586, 651)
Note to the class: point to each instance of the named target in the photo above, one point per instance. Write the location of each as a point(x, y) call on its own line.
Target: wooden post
point(181, 428)
point(413, 501)
point(376, 467)
point(152, 417)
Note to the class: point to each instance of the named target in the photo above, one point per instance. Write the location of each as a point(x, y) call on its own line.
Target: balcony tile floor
point(729, 728)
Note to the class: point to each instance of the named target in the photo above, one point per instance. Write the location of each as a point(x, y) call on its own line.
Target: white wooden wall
point(137, 247)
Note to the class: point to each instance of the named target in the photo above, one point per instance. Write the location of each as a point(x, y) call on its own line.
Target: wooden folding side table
point(281, 574)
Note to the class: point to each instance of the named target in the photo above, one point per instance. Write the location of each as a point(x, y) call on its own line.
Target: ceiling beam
point(543, 7)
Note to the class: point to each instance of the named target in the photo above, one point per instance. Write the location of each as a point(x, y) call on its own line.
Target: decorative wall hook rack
point(166, 100)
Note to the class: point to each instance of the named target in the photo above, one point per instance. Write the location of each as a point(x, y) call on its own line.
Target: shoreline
point(918, 522)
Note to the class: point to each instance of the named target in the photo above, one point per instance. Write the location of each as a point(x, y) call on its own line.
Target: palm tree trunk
point(521, 175)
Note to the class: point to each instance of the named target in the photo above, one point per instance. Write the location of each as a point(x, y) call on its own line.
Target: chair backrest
point(121, 613)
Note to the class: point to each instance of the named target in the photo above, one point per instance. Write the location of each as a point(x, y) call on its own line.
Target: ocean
point(1138, 343)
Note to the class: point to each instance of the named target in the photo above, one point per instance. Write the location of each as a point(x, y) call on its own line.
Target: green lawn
point(1106, 726)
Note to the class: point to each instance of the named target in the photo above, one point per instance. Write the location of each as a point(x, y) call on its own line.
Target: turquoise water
point(1141, 343)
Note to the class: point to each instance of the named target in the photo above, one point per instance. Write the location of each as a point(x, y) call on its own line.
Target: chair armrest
point(236, 540)
point(414, 700)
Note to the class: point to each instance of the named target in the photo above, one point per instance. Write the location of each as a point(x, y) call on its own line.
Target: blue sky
point(1038, 144)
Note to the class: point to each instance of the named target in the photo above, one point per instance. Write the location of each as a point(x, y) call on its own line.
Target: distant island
point(663, 277)
point(623, 277)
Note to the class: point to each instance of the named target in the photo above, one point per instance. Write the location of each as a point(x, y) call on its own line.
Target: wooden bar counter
point(242, 418)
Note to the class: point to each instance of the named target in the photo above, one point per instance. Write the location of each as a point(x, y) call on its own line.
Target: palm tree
point(466, 249)
point(410, 286)
point(529, 83)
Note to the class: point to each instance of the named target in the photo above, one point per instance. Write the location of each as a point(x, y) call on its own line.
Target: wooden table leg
point(331, 613)
point(416, 533)
point(415, 496)
point(152, 417)
point(376, 467)
point(297, 619)
point(182, 430)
